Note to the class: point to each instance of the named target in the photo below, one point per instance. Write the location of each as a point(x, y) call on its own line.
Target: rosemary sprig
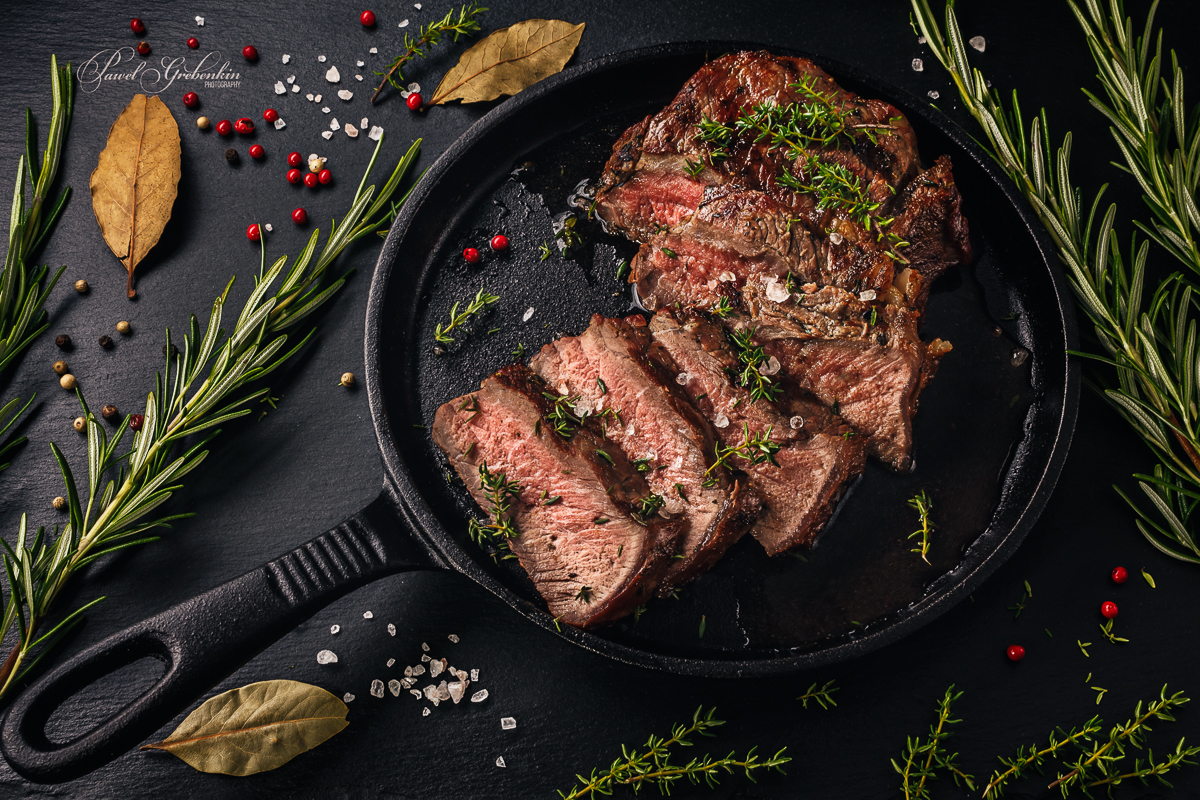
point(924, 757)
point(1151, 346)
point(923, 506)
point(465, 23)
point(654, 766)
point(752, 358)
point(197, 391)
point(822, 697)
point(1036, 758)
point(476, 306)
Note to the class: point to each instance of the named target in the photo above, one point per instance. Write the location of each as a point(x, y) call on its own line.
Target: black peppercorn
point(174, 350)
point(232, 156)
point(106, 341)
point(62, 341)
point(109, 412)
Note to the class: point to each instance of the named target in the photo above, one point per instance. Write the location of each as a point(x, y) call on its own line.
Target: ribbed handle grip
point(202, 641)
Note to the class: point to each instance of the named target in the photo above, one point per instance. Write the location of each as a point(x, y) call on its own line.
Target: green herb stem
point(465, 23)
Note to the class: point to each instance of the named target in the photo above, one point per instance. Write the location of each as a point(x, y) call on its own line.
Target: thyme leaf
point(481, 301)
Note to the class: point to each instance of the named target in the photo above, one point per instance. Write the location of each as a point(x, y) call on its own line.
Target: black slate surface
point(279, 481)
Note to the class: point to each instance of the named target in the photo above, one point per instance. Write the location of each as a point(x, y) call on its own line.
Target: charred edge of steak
point(615, 364)
point(588, 559)
point(815, 459)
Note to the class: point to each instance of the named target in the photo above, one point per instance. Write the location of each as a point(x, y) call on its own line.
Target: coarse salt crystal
point(479, 696)
point(352, 131)
point(377, 688)
point(408, 671)
point(431, 694)
point(416, 693)
point(417, 6)
point(200, 21)
point(721, 421)
point(408, 682)
point(286, 58)
point(363, 124)
point(394, 687)
point(528, 314)
point(500, 762)
point(308, 96)
point(334, 628)
point(425, 646)
point(682, 378)
point(291, 79)
point(796, 422)
point(771, 367)
point(835, 238)
point(934, 93)
point(367, 614)
point(867, 295)
point(334, 124)
point(358, 77)
point(425, 712)
point(419, 669)
point(316, 98)
point(325, 110)
point(435, 668)
point(918, 65)
point(280, 88)
point(326, 134)
point(391, 629)
point(978, 42)
point(347, 698)
point(777, 291)
point(279, 124)
point(345, 94)
point(375, 134)
point(373, 50)
point(360, 63)
point(727, 277)
point(474, 674)
point(391, 661)
point(456, 690)
point(295, 87)
point(453, 637)
point(461, 674)
point(321, 59)
point(332, 75)
point(921, 40)
point(404, 24)
point(326, 657)
point(507, 723)
point(443, 691)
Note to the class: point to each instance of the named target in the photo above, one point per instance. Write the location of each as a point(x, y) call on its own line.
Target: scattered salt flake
point(334, 124)
point(268, 227)
point(311, 158)
point(921, 40)
point(408, 671)
point(425, 646)
point(295, 87)
point(280, 124)
point(934, 93)
point(373, 50)
point(325, 110)
point(796, 422)
point(347, 698)
point(443, 691)
point(200, 21)
point(417, 6)
point(377, 688)
point(835, 237)
point(308, 96)
point(461, 674)
point(528, 314)
point(291, 79)
point(771, 367)
point(358, 77)
point(327, 134)
point(435, 668)
point(867, 295)
point(419, 669)
point(416, 693)
point(682, 378)
point(978, 42)
point(334, 628)
point(391, 661)
point(456, 690)
point(500, 762)
point(479, 696)
point(507, 723)
point(317, 98)
point(918, 65)
point(345, 94)
point(777, 291)
point(394, 687)
point(280, 88)
point(453, 637)
point(286, 58)
point(375, 134)
point(424, 712)
point(326, 657)
point(321, 59)
point(360, 63)
point(391, 629)
point(403, 24)
point(363, 125)
point(431, 692)
point(408, 682)
point(721, 421)
point(474, 674)
point(332, 75)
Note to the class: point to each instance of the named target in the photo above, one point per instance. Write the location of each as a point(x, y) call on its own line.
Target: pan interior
point(984, 431)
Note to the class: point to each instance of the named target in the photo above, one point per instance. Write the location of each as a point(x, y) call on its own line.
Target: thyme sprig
point(500, 493)
point(654, 766)
point(197, 391)
point(1033, 757)
point(923, 758)
point(755, 448)
point(923, 506)
point(752, 358)
point(822, 697)
point(464, 23)
point(477, 305)
point(1150, 346)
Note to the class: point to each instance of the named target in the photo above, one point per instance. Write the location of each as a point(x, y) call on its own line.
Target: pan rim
point(411, 505)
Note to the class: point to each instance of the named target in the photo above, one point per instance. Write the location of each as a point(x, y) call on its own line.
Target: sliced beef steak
point(817, 453)
point(613, 370)
point(590, 555)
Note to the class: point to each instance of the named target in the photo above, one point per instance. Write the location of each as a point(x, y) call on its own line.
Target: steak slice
point(614, 370)
point(816, 456)
point(589, 556)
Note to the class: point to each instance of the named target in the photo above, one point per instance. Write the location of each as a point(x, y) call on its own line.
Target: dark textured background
point(275, 483)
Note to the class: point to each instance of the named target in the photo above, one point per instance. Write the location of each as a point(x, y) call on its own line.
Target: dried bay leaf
point(509, 60)
point(135, 183)
point(256, 728)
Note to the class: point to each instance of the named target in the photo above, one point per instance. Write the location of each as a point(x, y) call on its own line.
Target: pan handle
point(203, 640)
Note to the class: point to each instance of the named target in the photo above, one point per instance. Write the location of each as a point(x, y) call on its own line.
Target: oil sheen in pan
point(861, 569)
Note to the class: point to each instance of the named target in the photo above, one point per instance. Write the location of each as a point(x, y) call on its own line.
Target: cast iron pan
point(992, 434)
